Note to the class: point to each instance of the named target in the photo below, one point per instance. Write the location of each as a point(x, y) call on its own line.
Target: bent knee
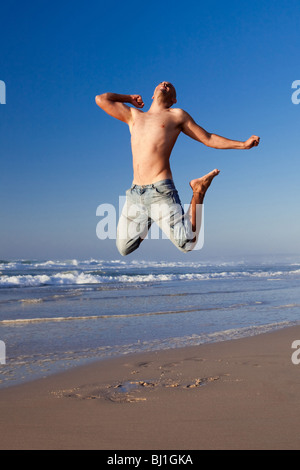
point(186, 247)
point(126, 247)
point(122, 248)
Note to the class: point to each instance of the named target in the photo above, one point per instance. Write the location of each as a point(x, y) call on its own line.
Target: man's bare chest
point(157, 126)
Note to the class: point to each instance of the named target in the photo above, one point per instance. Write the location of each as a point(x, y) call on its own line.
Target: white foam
point(23, 273)
point(82, 278)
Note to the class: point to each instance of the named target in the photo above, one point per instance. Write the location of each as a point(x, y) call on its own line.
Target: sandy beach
point(238, 394)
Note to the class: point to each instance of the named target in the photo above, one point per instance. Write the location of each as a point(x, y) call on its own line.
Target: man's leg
point(182, 229)
point(133, 226)
point(199, 187)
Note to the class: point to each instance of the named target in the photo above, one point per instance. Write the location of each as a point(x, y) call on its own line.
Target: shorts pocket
point(169, 193)
point(164, 190)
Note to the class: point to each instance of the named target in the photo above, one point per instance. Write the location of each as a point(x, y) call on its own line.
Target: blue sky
point(233, 64)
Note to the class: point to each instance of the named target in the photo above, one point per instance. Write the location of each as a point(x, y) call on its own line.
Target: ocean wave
point(121, 316)
point(25, 265)
point(82, 278)
point(69, 278)
point(50, 267)
point(31, 301)
point(151, 345)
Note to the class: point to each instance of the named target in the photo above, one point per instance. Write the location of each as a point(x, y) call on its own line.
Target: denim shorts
point(158, 202)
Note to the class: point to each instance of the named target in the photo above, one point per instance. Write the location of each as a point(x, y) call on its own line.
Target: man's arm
point(113, 104)
point(190, 128)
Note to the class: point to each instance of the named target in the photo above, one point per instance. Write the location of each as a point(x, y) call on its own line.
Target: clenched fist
point(137, 101)
point(253, 141)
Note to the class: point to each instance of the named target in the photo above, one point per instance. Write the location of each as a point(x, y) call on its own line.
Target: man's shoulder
point(177, 110)
point(136, 110)
point(180, 113)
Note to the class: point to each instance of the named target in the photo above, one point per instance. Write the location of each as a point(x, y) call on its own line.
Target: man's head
point(165, 92)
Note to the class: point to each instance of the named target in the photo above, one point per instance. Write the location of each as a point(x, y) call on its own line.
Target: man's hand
point(137, 101)
point(253, 141)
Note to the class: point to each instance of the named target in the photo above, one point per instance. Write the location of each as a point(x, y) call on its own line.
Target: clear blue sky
point(233, 64)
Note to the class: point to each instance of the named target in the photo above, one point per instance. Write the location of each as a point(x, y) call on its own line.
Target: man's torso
point(153, 136)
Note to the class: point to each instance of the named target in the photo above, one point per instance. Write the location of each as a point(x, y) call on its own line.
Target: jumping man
point(153, 136)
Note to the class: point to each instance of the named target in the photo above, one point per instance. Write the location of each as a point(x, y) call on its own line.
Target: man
point(153, 136)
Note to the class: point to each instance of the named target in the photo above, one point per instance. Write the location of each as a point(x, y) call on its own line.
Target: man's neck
point(158, 106)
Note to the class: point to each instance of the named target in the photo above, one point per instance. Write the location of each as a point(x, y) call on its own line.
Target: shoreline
point(9, 379)
point(236, 394)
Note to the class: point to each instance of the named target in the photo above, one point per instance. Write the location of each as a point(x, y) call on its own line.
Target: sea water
point(58, 314)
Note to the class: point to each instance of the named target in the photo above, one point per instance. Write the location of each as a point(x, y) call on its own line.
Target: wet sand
point(238, 394)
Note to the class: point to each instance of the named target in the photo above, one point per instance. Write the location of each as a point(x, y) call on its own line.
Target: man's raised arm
point(113, 104)
point(190, 128)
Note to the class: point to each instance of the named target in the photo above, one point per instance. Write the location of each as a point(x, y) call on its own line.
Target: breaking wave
point(24, 273)
point(81, 278)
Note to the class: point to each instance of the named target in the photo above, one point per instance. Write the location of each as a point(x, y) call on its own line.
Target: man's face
point(167, 90)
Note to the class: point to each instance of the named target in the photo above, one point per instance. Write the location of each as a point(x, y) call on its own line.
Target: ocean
point(55, 315)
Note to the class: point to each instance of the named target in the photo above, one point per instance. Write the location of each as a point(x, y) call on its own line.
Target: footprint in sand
point(129, 391)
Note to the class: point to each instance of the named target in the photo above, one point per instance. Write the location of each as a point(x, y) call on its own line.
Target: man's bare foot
point(201, 185)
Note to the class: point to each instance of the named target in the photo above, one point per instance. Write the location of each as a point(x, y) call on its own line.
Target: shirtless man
point(153, 136)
